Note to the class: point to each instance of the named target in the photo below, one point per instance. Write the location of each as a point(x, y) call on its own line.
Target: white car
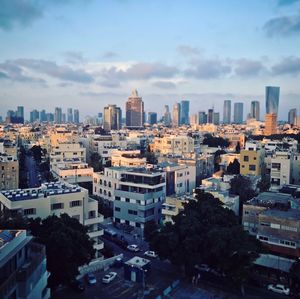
point(150, 253)
point(279, 288)
point(109, 277)
point(133, 247)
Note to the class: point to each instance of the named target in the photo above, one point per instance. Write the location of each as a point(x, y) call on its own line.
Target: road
point(32, 172)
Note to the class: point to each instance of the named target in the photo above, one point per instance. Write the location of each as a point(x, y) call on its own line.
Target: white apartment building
point(296, 169)
point(127, 158)
point(281, 169)
point(9, 172)
point(173, 145)
point(67, 153)
point(56, 199)
point(73, 172)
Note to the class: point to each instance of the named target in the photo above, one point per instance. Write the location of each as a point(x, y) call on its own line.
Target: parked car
point(109, 277)
point(118, 262)
point(133, 247)
point(279, 288)
point(150, 253)
point(91, 279)
point(77, 285)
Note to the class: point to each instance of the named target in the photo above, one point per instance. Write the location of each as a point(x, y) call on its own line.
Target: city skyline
point(90, 68)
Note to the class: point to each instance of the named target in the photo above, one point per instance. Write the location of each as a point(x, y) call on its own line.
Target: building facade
point(112, 118)
point(134, 111)
point(227, 112)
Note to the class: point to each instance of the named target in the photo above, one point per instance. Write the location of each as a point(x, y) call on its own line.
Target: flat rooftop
point(137, 170)
point(47, 189)
point(291, 214)
point(138, 262)
point(270, 198)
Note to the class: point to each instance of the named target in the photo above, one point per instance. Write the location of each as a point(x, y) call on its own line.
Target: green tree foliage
point(150, 156)
point(238, 148)
point(150, 230)
point(37, 153)
point(217, 159)
point(213, 141)
point(242, 186)
point(96, 162)
point(206, 232)
point(234, 167)
point(264, 184)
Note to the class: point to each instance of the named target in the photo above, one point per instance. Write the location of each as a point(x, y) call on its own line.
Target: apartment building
point(252, 160)
point(296, 169)
point(127, 158)
point(9, 147)
point(139, 197)
point(56, 199)
point(67, 153)
point(23, 272)
point(172, 145)
point(281, 168)
point(9, 172)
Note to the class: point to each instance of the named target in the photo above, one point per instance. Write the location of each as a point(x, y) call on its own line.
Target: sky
point(86, 54)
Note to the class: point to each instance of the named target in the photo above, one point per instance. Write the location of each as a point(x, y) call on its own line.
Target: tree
point(238, 148)
point(206, 232)
point(264, 183)
point(213, 141)
point(67, 246)
point(37, 153)
point(96, 162)
point(242, 186)
point(234, 167)
point(150, 156)
point(217, 159)
point(150, 230)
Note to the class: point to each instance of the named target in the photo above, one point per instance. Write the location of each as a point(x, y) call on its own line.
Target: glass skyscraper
point(184, 113)
point(227, 112)
point(238, 113)
point(134, 111)
point(272, 99)
point(255, 110)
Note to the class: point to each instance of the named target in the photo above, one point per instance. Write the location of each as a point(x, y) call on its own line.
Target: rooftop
point(274, 262)
point(6, 236)
point(138, 170)
point(138, 262)
point(47, 189)
point(291, 214)
point(270, 199)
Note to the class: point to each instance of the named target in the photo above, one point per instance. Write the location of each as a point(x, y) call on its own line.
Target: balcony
point(99, 246)
point(94, 220)
point(137, 195)
point(96, 233)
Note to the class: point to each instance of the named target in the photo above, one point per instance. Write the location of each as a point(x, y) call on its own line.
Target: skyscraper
point(58, 115)
point(272, 99)
point(184, 112)
point(70, 115)
point(210, 116)
point(76, 116)
point(292, 117)
point(112, 118)
point(202, 118)
point(34, 115)
point(167, 116)
point(216, 119)
point(227, 112)
point(238, 113)
point(255, 110)
point(152, 118)
point(176, 114)
point(43, 116)
point(134, 111)
point(270, 124)
point(20, 114)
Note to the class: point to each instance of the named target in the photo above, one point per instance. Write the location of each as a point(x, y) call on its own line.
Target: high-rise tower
point(134, 111)
point(238, 113)
point(112, 118)
point(227, 112)
point(176, 115)
point(184, 112)
point(255, 110)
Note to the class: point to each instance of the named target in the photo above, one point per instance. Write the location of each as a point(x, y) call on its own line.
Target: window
point(246, 158)
point(117, 198)
point(132, 212)
point(57, 206)
point(275, 225)
point(246, 212)
point(290, 228)
point(276, 166)
point(265, 224)
point(31, 211)
point(117, 209)
point(75, 203)
point(252, 167)
point(127, 199)
point(262, 238)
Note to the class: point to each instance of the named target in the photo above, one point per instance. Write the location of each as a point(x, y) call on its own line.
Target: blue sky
point(87, 54)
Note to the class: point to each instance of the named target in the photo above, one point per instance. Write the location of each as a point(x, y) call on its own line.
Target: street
point(32, 172)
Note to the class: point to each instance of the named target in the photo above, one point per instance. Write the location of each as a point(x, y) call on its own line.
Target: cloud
point(287, 2)
point(9, 70)
point(164, 84)
point(248, 68)
point(208, 69)
point(113, 76)
point(50, 68)
point(73, 57)
point(288, 66)
point(188, 51)
point(109, 54)
point(283, 26)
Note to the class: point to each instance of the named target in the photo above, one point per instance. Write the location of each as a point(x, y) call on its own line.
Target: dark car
point(118, 262)
point(77, 285)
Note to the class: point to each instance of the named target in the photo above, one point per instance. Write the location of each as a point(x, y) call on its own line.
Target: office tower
point(176, 115)
point(76, 116)
point(184, 112)
point(216, 118)
point(255, 110)
point(70, 115)
point(194, 119)
point(112, 118)
point(34, 115)
point(1, 119)
point(50, 117)
point(227, 112)
point(270, 124)
point(272, 99)
point(210, 116)
point(20, 114)
point(238, 113)
point(63, 118)
point(58, 115)
point(152, 118)
point(134, 111)
point(292, 117)
point(43, 115)
point(167, 116)
point(202, 118)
